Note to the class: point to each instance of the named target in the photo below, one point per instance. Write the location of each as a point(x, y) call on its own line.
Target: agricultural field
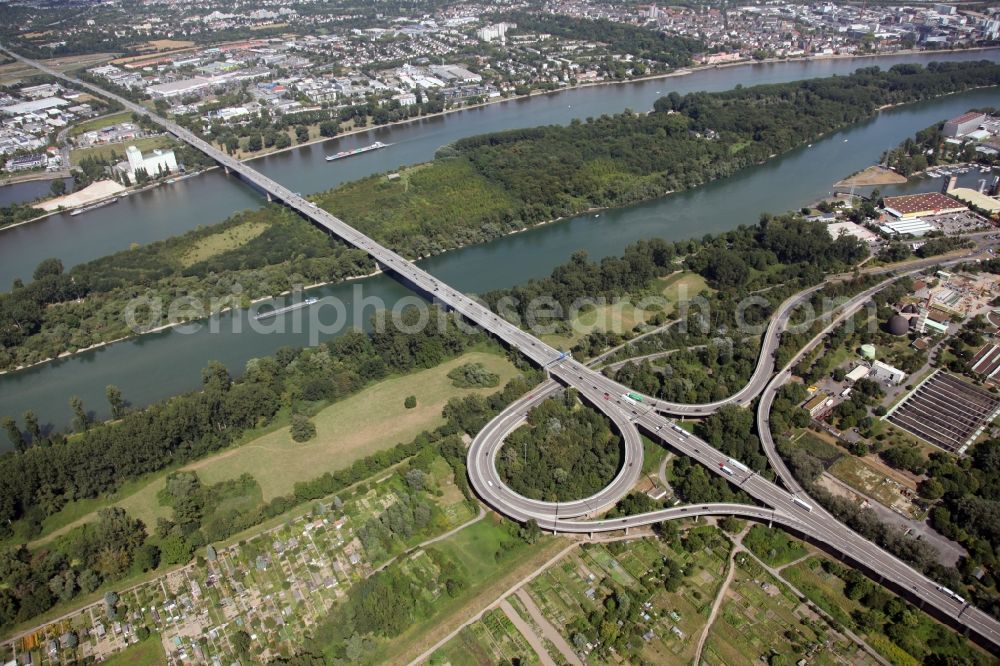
point(491, 640)
point(274, 586)
point(762, 620)
point(568, 592)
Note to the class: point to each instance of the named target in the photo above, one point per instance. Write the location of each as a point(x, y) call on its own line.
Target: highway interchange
point(794, 511)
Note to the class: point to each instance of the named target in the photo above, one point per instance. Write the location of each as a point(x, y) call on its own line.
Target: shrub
point(302, 428)
point(473, 375)
point(410, 402)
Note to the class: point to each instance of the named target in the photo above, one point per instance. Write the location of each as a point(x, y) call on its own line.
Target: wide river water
point(162, 364)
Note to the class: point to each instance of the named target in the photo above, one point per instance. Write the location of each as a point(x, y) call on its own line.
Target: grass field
point(623, 316)
point(680, 287)
point(97, 123)
point(166, 44)
point(872, 482)
point(816, 446)
point(147, 653)
point(474, 548)
point(359, 425)
point(15, 71)
point(652, 454)
point(230, 239)
point(107, 151)
point(760, 620)
point(369, 421)
point(823, 589)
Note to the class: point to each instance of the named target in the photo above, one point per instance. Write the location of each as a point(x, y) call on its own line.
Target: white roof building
point(34, 106)
point(177, 88)
point(154, 163)
point(857, 373)
point(884, 372)
point(916, 227)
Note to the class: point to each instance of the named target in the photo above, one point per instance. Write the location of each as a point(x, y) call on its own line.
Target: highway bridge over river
point(794, 512)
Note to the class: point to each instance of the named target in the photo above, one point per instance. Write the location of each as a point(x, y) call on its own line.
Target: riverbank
point(569, 89)
point(685, 71)
point(873, 175)
point(124, 191)
point(33, 176)
point(356, 201)
point(217, 313)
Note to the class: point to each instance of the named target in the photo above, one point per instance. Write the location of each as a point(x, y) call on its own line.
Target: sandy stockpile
point(93, 192)
point(873, 175)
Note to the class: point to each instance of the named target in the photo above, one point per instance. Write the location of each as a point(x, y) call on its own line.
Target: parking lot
point(959, 223)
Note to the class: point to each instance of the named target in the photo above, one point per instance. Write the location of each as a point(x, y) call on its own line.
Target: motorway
point(606, 395)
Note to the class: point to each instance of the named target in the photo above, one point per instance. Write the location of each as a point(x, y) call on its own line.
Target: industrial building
point(860, 372)
point(26, 162)
point(976, 199)
point(818, 404)
point(986, 362)
point(886, 373)
point(963, 124)
point(946, 412)
point(178, 88)
point(911, 206)
point(913, 227)
point(837, 229)
point(154, 164)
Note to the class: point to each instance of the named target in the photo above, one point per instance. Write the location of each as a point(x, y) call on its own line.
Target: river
point(170, 210)
point(166, 363)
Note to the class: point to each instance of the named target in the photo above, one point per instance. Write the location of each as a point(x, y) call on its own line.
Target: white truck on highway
point(807, 507)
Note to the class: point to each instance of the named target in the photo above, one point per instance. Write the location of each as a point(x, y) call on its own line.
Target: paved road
point(607, 395)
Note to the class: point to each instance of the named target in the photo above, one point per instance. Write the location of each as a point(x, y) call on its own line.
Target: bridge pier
point(269, 198)
point(225, 169)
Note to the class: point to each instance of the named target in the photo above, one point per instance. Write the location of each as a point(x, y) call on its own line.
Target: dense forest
point(566, 451)
point(670, 50)
point(483, 187)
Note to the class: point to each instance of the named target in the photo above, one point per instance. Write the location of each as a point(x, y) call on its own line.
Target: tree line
point(58, 469)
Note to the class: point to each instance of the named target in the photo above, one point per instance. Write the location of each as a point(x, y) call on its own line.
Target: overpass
point(606, 395)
